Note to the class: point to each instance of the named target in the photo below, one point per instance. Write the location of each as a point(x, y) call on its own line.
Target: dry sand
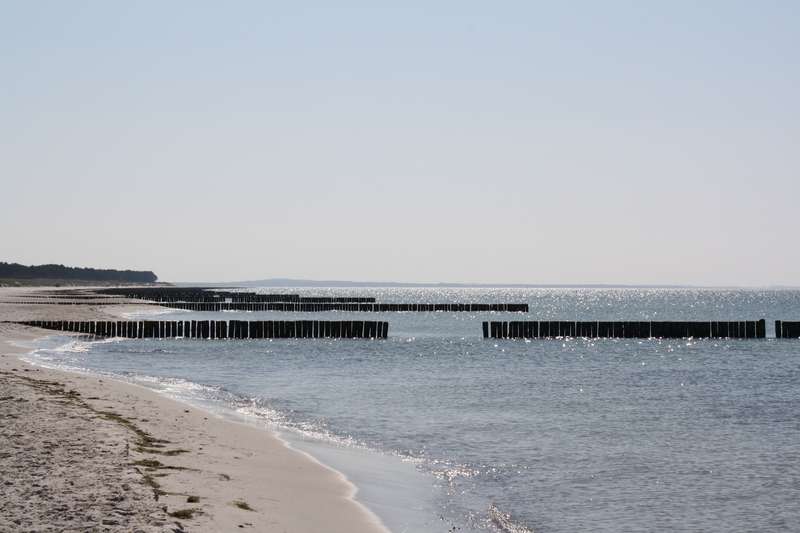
point(81, 453)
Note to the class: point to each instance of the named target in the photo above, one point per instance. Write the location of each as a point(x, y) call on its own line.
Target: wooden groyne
point(787, 330)
point(337, 299)
point(194, 294)
point(204, 295)
point(76, 302)
point(354, 307)
point(221, 329)
point(213, 300)
point(260, 299)
point(747, 329)
point(69, 296)
point(304, 305)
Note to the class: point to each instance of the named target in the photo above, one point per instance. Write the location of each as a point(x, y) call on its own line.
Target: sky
point(498, 142)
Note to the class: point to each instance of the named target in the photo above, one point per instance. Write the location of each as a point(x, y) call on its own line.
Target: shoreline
point(234, 475)
point(401, 504)
point(390, 487)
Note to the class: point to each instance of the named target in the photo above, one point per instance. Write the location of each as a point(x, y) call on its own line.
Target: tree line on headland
point(61, 272)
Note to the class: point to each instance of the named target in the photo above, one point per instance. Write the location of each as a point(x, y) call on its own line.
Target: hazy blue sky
point(464, 141)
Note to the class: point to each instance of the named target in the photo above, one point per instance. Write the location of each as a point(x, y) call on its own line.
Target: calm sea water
point(442, 429)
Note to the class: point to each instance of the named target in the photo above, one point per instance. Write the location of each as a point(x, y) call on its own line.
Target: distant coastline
point(15, 274)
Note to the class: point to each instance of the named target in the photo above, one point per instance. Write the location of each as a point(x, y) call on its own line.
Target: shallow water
point(436, 425)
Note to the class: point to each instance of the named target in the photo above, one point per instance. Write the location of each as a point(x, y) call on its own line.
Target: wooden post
point(761, 329)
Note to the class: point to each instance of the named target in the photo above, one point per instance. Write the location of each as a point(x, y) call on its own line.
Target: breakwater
point(76, 302)
point(787, 330)
point(215, 306)
point(352, 307)
point(215, 300)
point(70, 296)
point(221, 329)
point(211, 295)
point(746, 329)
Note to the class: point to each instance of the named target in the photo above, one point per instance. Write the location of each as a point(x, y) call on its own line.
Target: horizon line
point(303, 283)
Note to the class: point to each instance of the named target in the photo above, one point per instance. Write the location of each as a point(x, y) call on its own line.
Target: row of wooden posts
point(306, 307)
point(356, 307)
point(193, 294)
point(49, 296)
point(747, 329)
point(787, 330)
point(202, 294)
point(283, 329)
point(76, 302)
point(263, 298)
point(222, 329)
point(206, 299)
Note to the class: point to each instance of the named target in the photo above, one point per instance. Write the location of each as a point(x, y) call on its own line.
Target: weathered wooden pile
point(746, 329)
point(168, 295)
point(216, 299)
point(349, 307)
point(48, 296)
point(785, 329)
point(213, 300)
point(222, 329)
point(67, 302)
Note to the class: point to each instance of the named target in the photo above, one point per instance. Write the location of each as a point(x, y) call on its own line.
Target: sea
point(443, 431)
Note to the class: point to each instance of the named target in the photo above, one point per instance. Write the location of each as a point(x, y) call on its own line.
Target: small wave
point(76, 345)
point(70, 347)
point(281, 420)
point(504, 522)
point(450, 472)
point(177, 385)
point(73, 344)
point(151, 311)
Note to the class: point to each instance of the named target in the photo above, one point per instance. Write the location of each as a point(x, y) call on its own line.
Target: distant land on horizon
point(15, 273)
point(289, 282)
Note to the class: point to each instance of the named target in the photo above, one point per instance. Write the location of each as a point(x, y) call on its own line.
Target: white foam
point(504, 522)
point(143, 314)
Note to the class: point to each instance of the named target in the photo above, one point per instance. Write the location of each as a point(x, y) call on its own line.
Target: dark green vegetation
point(15, 271)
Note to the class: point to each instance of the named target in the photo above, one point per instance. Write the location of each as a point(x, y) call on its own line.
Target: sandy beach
point(83, 453)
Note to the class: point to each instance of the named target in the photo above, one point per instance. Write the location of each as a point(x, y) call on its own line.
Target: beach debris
point(184, 514)
point(241, 504)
